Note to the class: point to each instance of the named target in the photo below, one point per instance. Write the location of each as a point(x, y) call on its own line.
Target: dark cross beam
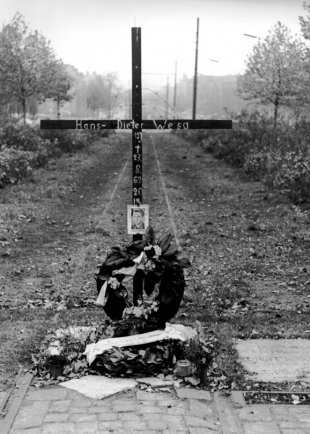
point(136, 124)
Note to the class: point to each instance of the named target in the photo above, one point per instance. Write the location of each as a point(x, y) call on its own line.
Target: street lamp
point(248, 35)
point(227, 64)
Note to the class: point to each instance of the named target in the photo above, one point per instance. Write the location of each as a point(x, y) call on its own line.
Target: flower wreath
point(147, 262)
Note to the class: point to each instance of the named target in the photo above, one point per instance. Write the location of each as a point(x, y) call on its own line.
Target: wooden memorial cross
point(136, 124)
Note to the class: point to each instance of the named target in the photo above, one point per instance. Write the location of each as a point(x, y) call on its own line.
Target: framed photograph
point(137, 219)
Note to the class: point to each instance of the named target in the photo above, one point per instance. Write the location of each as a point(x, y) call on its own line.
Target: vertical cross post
point(136, 142)
point(136, 117)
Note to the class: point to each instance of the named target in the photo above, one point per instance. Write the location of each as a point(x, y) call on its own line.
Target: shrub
point(24, 138)
point(14, 165)
point(23, 148)
point(278, 156)
point(293, 175)
point(66, 140)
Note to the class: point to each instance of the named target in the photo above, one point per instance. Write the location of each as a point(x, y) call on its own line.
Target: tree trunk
point(58, 108)
point(24, 110)
point(276, 108)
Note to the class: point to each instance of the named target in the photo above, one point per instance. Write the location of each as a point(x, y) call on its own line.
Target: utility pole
point(196, 72)
point(175, 90)
point(167, 99)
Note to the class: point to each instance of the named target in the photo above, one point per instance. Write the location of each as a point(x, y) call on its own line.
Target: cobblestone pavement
point(64, 411)
point(59, 410)
point(274, 419)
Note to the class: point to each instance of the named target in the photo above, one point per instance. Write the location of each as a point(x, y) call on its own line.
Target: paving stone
point(176, 410)
point(155, 382)
point(73, 410)
point(177, 431)
point(155, 396)
point(148, 403)
point(294, 431)
point(300, 415)
point(197, 408)
point(106, 431)
point(123, 408)
point(128, 416)
point(203, 431)
point(153, 409)
point(108, 416)
point(172, 419)
point(83, 402)
point(26, 431)
point(111, 425)
point(85, 427)
point(102, 404)
point(198, 422)
point(134, 431)
point(276, 360)
point(124, 401)
point(99, 410)
point(194, 394)
point(304, 410)
point(282, 412)
point(285, 424)
point(135, 425)
point(29, 402)
point(29, 420)
point(60, 406)
point(36, 407)
point(261, 428)
point(157, 424)
point(170, 402)
point(255, 413)
point(82, 417)
point(151, 416)
point(177, 426)
point(46, 394)
point(57, 428)
point(56, 417)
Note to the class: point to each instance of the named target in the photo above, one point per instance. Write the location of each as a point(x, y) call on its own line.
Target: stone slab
point(271, 360)
point(99, 387)
point(189, 393)
point(155, 382)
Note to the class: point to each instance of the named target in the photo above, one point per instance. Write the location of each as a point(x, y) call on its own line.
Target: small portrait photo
point(137, 219)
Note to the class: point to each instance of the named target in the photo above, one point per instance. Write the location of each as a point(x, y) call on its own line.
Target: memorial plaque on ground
point(280, 360)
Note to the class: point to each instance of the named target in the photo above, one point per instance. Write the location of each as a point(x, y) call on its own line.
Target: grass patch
point(22, 332)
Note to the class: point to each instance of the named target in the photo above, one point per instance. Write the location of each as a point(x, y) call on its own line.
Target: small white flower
point(149, 266)
point(157, 250)
point(113, 283)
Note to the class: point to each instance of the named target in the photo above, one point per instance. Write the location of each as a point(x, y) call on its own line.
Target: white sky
point(95, 35)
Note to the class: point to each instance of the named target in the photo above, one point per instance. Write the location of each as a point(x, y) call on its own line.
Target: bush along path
point(24, 149)
point(250, 273)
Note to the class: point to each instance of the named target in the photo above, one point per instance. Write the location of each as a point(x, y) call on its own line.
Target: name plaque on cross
point(127, 124)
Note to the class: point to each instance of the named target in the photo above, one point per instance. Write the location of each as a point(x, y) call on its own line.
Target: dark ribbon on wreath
point(147, 262)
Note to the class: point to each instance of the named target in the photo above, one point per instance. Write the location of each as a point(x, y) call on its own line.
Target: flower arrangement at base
point(148, 264)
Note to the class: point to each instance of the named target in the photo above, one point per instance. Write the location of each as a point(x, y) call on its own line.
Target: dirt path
point(251, 268)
